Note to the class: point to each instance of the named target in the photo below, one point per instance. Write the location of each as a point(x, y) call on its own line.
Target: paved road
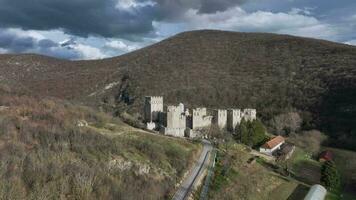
point(184, 189)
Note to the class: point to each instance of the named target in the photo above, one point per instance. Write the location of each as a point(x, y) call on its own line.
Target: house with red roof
point(325, 156)
point(272, 145)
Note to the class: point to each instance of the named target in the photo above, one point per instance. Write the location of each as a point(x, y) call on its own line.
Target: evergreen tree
point(330, 176)
point(250, 133)
point(242, 132)
point(258, 133)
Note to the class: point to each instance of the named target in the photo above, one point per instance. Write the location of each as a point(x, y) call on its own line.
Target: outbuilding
point(272, 145)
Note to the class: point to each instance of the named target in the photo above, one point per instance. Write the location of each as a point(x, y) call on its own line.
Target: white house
point(272, 145)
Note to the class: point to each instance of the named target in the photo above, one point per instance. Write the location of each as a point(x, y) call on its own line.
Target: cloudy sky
point(94, 29)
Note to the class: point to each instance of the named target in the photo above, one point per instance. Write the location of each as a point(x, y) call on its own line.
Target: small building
point(286, 151)
point(325, 156)
point(316, 192)
point(272, 145)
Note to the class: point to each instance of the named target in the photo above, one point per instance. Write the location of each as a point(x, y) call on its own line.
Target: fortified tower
point(175, 121)
point(153, 107)
point(249, 114)
point(220, 118)
point(176, 117)
point(233, 118)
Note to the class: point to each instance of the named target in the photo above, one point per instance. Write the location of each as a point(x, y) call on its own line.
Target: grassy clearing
point(304, 167)
point(247, 181)
point(45, 155)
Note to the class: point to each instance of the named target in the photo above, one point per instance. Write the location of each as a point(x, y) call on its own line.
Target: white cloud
point(2, 51)
point(237, 19)
point(29, 33)
point(351, 42)
point(129, 5)
point(87, 52)
point(304, 11)
point(120, 46)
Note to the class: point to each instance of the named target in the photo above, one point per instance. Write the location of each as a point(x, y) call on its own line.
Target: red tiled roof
point(273, 142)
point(326, 155)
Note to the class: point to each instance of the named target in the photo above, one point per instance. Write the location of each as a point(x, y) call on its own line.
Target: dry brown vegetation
point(273, 73)
point(45, 155)
point(310, 141)
point(286, 123)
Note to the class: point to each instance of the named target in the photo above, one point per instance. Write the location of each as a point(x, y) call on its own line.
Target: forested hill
point(273, 73)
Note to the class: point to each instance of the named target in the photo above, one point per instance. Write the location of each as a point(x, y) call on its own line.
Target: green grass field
point(304, 167)
point(248, 181)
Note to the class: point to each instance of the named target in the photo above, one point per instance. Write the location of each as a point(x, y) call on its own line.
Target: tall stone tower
point(233, 118)
point(176, 117)
point(220, 118)
point(249, 114)
point(153, 107)
point(175, 121)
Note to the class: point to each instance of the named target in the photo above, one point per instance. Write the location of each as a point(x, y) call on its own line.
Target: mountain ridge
point(273, 73)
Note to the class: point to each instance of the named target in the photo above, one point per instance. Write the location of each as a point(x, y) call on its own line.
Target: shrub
point(330, 176)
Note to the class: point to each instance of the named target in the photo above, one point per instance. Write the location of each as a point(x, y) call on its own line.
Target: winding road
point(187, 185)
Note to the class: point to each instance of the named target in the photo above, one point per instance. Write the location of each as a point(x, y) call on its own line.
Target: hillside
point(45, 154)
point(273, 73)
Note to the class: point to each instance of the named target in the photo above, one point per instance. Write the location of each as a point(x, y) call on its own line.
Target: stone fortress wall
point(153, 107)
point(200, 118)
point(178, 122)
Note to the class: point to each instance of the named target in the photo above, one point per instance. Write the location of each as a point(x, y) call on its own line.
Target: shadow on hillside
point(338, 116)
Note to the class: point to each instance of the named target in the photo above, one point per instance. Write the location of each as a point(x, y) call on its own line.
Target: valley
point(76, 129)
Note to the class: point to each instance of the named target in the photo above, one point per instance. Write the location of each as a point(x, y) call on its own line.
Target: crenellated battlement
point(235, 112)
point(249, 114)
point(199, 112)
point(154, 99)
point(173, 109)
point(176, 119)
point(221, 112)
point(153, 107)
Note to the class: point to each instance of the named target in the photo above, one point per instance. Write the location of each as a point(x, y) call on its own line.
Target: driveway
point(185, 188)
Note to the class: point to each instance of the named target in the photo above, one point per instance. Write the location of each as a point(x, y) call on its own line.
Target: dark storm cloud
point(46, 43)
point(78, 17)
point(100, 17)
point(14, 43)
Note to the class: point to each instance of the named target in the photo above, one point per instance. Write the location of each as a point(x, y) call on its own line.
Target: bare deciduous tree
point(287, 123)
